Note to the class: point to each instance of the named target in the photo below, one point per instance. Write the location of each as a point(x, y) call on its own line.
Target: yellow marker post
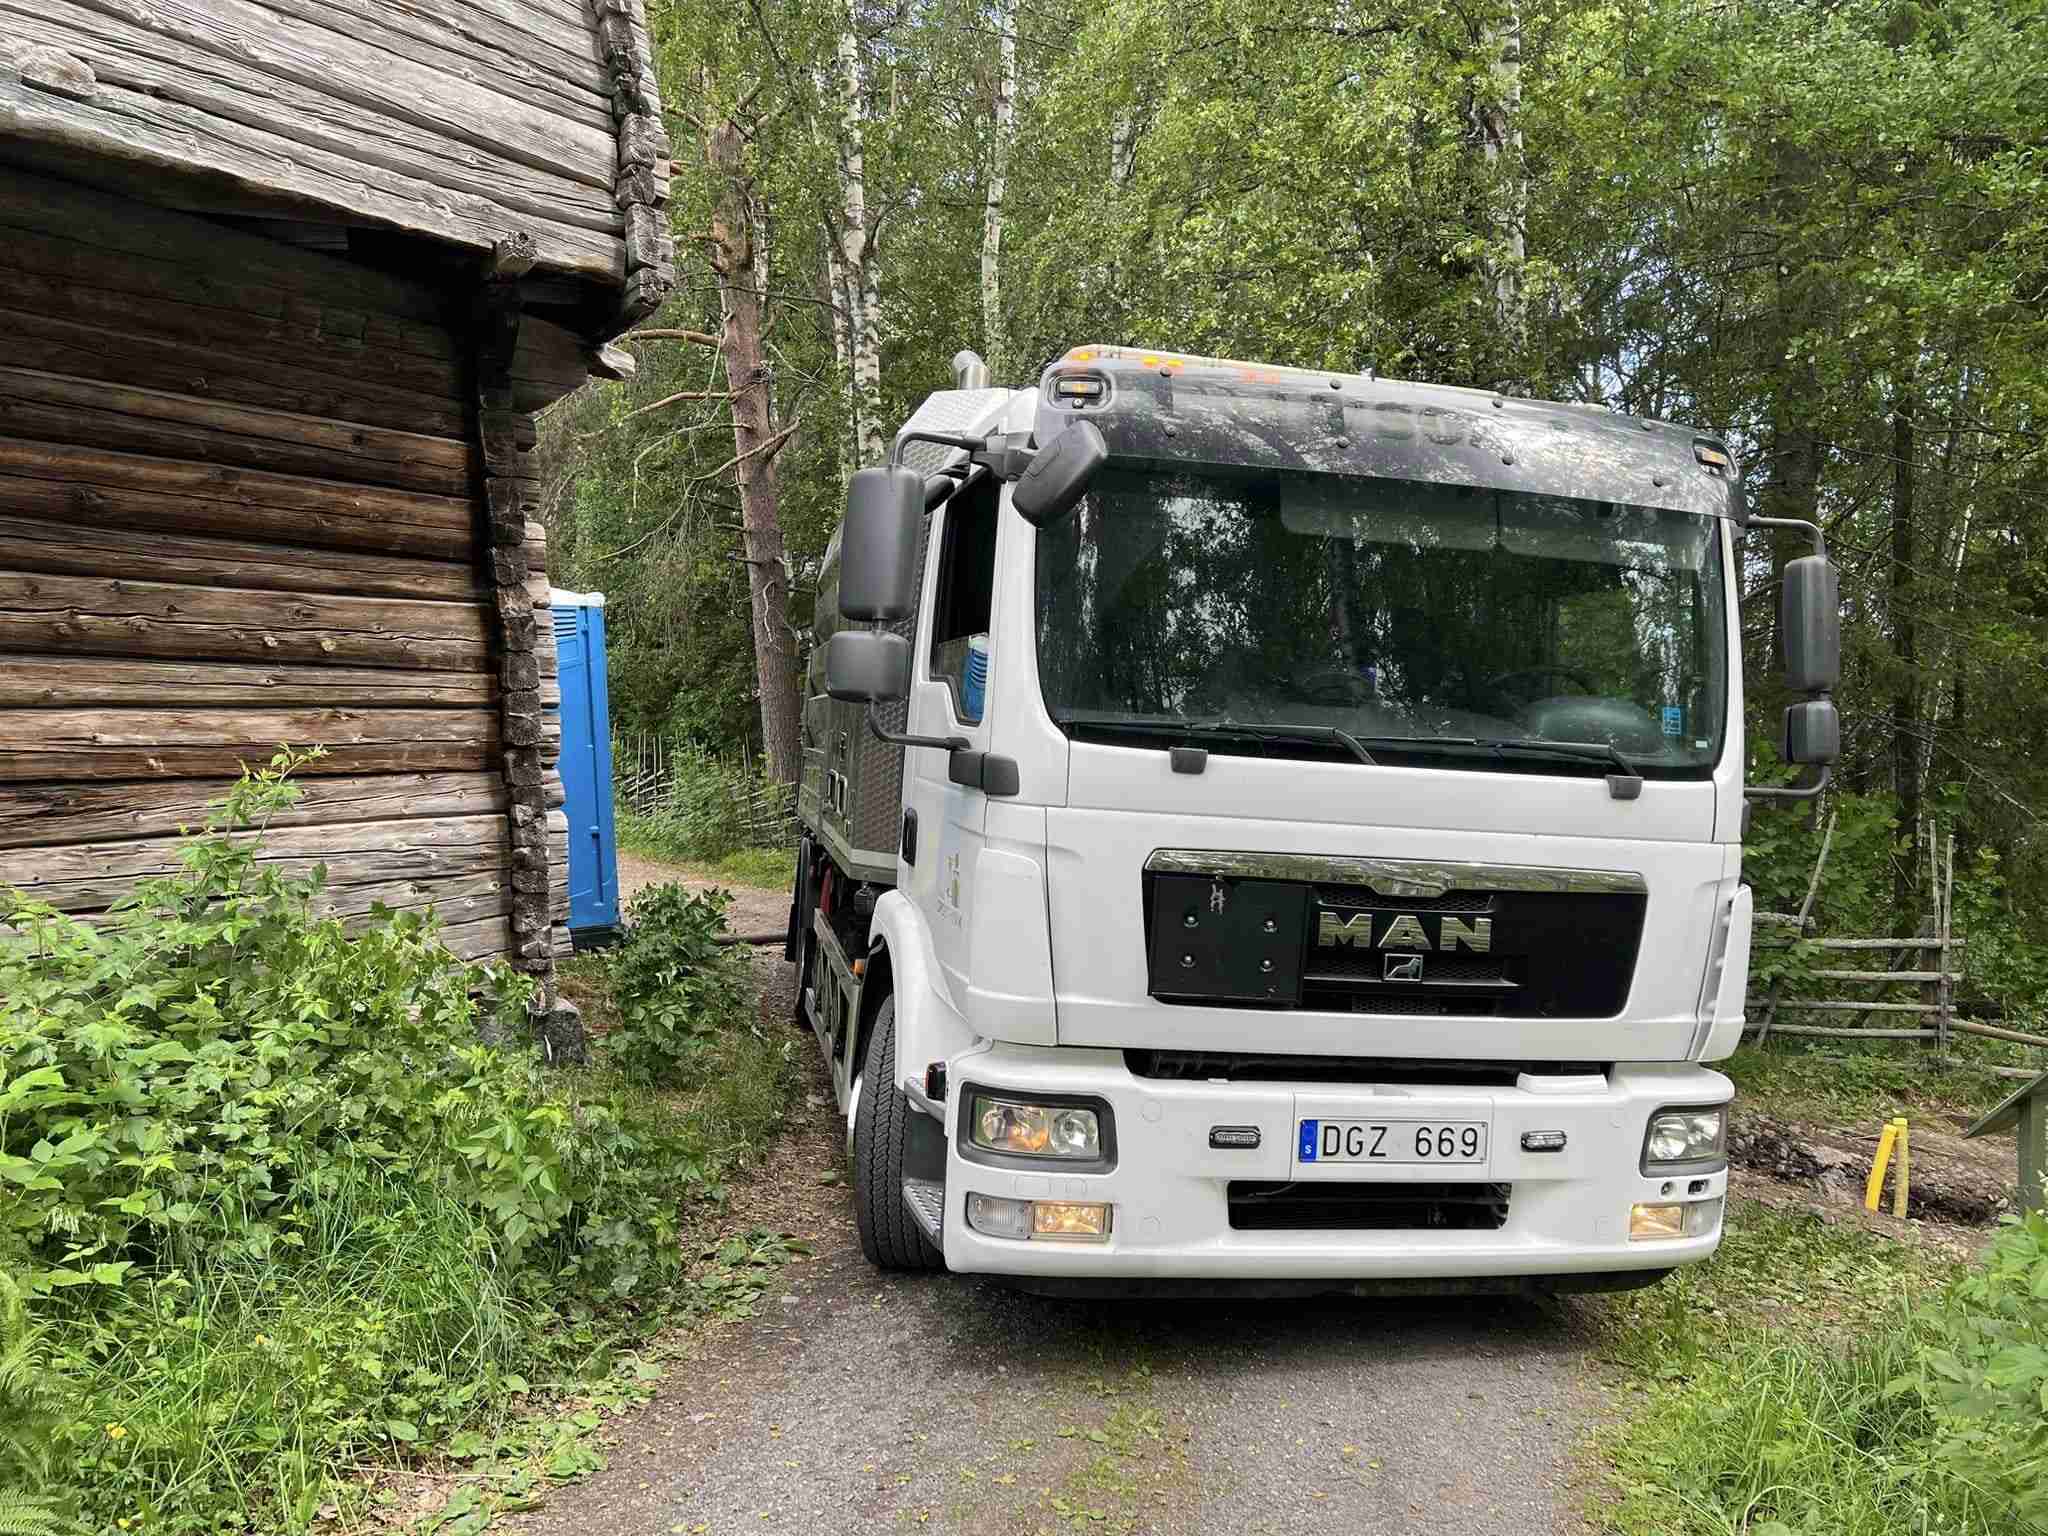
point(1904, 1176)
point(1874, 1190)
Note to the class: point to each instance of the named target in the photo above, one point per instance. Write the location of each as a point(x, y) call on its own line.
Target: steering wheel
point(1333, 686)
point(1505, 680)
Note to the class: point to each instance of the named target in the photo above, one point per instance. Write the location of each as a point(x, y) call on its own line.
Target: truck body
point(1281, 829)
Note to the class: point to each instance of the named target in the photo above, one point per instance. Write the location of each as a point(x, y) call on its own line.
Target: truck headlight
point(1686, 1140)
point(1035, 1130)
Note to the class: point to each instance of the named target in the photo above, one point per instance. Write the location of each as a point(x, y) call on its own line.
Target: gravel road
point(860, 1403)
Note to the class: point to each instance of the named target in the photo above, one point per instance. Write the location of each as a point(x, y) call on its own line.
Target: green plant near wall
point(676, 988)
point(273, 1207)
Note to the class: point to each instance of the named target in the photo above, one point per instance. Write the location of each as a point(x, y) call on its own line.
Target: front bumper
point(1568, 1211)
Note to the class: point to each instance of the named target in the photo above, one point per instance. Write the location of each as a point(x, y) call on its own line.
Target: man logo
point(1400, 968)
point(1404, 930)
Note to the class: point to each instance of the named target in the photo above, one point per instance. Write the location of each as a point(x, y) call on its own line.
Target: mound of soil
point(1952, 1180)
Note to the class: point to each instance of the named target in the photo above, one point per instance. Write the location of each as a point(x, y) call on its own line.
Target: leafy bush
point(710, 809)
point(1984, 1374)
point(1815, 1379)
point(675, 987)
point(274, 1204)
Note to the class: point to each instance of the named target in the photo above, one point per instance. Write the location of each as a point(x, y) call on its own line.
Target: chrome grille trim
point(1392, 877)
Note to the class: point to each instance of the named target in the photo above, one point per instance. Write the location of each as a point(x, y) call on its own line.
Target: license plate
point(1392, 1141)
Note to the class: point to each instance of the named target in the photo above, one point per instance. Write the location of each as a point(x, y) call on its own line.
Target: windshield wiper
point(1212, 728)
point(1602, 751)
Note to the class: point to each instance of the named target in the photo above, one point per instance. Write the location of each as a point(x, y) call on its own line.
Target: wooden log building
point(281, 285)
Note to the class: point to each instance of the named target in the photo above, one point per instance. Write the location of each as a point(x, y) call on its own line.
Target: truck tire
point(889, 1234)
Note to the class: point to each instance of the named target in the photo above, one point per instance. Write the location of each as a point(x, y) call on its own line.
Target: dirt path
point(862, 1403)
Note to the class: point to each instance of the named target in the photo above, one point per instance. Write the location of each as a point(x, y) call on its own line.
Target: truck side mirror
point(1810, 619)
point(867, 666)
point(878, 547)
point(1813, 733)
point(1058, 475)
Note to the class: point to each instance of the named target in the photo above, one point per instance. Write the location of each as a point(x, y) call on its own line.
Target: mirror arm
point(1774, 792)
point(943, 439)
point(943, 743)
point(1820, 540)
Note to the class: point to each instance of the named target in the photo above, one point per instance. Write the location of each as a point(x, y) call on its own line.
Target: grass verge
point(1847, 1082)
point(670, 841)
point(1806, 1379)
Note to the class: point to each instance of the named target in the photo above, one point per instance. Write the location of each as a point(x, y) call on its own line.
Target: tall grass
point(1788, 1388)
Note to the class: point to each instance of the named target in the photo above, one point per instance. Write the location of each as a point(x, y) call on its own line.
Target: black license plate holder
point(1227, 940)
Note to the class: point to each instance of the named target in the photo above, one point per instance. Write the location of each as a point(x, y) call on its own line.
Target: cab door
point(945, 824)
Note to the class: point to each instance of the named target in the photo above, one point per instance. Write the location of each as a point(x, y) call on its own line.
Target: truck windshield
point(1426, 622)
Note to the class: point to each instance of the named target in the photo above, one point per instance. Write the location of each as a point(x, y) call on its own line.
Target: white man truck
point(1282, 830)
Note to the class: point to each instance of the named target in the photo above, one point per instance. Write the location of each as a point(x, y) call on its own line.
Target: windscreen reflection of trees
point(1192, 595)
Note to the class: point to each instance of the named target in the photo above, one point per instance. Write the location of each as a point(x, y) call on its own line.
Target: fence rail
point(652, 776)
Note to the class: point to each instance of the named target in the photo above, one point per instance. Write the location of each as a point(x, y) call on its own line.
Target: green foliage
point(1848, 1082)
point(1984, 1374)
point(1818, 1379)
point(677, 990)
point(276, 1208)
point(705, 806)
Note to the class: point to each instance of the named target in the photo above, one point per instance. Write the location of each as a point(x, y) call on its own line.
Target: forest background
point(1818, 229)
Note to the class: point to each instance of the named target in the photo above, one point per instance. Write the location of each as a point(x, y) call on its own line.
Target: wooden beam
point(1857, 1007)
point(1992, 1032)
point(1882, 976)
point(34, 815)
point(1822, 1031)
point(84, 877)
point(71, 682)
point(140, 554)
point(157, 620)
point(190, 743)
point(225, 372)
point(1919, 943)
point(61, 481)
point(176, 141)
point(54, 408)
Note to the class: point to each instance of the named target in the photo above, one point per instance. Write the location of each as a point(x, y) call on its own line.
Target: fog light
point(1087, 1220)
point(1647, 1222)
point(998, 1217)
point(1702, 1216)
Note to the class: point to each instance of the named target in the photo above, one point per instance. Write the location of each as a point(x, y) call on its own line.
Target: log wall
point(241, 504)
point(462, 120)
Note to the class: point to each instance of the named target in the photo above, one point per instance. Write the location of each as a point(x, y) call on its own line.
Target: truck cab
point(1276, 829)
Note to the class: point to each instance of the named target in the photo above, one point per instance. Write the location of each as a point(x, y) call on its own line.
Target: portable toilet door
point(586, 767)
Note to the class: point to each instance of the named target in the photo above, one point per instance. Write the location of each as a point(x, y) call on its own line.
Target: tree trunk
point(993, 329)
point(857, 254)
point(755, 440)
point(842, 354)
point(1499, 121)
point(1905, 657)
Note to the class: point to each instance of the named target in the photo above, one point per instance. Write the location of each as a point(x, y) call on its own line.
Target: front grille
point(1440, 970)
point(1356, 898)
point(1259, 1067)
point(1258, 1206)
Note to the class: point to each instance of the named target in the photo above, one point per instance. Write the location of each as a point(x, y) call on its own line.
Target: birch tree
point(857, 255)
point(1003, 131)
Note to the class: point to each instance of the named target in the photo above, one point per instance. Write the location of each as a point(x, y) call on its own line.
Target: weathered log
point(377, 86)
point(71, 682)
point(169, 138)
point(179, 743)
point(34, 815)
point(50, 407)
point(88, 876)
point(161, 234)
point(64, 482)
point(229, 89)
point(225, 372)
point(352, 347)
point(160, 619)
point(132, 554)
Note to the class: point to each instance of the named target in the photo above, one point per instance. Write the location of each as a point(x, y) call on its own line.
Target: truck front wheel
point(889, 1234)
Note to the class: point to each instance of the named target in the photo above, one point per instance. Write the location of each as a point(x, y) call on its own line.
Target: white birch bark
point(856, 251)
point(1500, 137)
point(993, 329)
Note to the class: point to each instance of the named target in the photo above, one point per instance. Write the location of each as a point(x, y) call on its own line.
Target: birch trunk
point(993, 329)
point(733, 254)
point(857, 254)
point(842, 353)
point(1500, 137)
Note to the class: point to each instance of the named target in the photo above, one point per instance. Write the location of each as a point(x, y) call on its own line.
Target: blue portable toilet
point(586, 767)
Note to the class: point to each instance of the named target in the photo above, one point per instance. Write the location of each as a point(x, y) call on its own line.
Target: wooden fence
point(1930, 961)
point(651, 776)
